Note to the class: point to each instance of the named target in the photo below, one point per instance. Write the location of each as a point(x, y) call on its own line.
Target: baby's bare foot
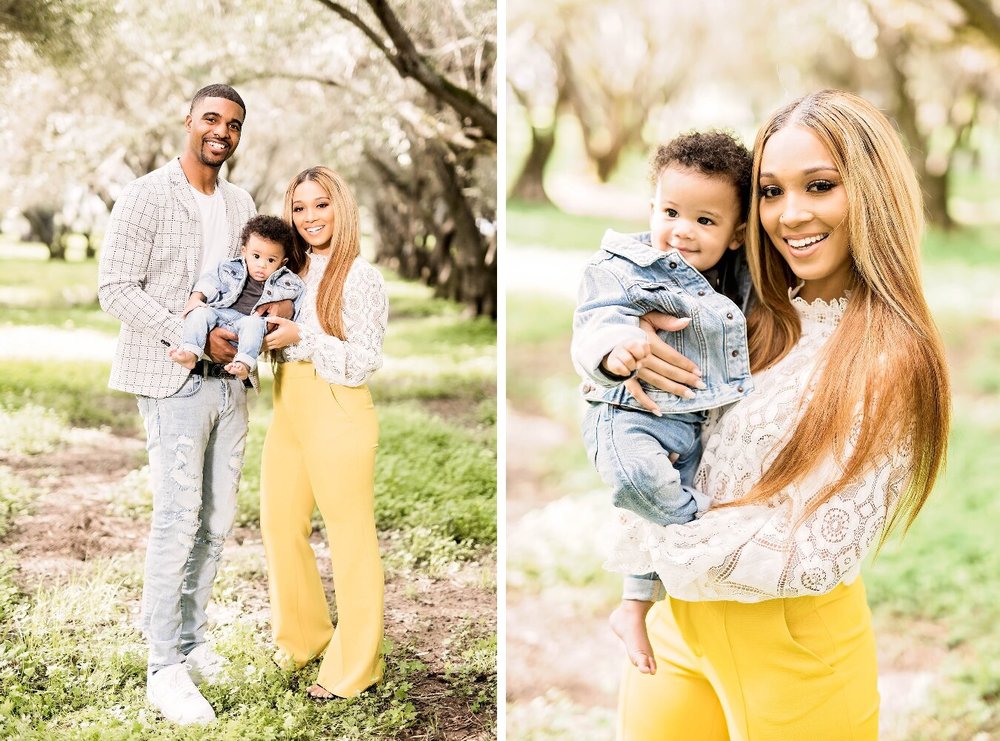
point(628, 622)
point(238, 369)
point(183, 357)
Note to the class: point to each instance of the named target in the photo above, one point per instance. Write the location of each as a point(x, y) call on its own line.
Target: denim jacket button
point(740, 389)
point(735, 353)
point(729, 315)
point(673, 264)
point(701, 293)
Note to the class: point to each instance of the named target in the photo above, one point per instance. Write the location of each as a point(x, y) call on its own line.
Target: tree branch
point(408, 62)
point(981, 15)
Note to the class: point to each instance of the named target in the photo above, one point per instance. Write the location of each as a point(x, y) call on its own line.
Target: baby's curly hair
point(270, 228)
point(711, 153)
point(278, 231)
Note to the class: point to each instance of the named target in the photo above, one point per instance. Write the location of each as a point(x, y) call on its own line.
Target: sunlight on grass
point(562, 544)
point(75, 391)
point(30, 429)
point(553, 717)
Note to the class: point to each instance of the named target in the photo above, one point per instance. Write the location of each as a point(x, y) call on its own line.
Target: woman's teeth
point(808, 241)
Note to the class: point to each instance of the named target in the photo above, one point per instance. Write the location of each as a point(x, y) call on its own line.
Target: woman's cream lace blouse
point(351, 361)
point(755, 552)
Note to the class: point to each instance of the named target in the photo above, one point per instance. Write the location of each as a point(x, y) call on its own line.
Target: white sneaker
point(172, 692)
point(205, 664)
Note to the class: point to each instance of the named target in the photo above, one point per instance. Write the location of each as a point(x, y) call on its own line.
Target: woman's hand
point(285, 333)
point(664, 367)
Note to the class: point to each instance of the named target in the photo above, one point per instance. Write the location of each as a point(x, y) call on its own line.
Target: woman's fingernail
point(657, 413)
point(688, 394)
point(700, 385)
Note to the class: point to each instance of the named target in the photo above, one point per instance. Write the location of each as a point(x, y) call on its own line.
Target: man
point(166, 229)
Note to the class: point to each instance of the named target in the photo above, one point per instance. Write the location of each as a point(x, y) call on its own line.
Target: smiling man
point(166, 229)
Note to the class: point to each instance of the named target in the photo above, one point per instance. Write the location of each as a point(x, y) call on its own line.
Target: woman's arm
point(751, 553)
point(347, 362)
point(664, 367)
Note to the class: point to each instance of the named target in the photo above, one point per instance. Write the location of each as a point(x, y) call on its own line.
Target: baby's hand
point(626, 357)
point(192, 304)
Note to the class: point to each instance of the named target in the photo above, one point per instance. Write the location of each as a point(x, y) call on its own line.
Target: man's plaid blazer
point(148, 266)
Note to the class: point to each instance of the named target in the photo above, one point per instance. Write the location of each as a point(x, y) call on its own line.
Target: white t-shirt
point(214, 229)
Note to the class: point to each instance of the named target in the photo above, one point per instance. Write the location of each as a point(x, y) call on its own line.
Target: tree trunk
point(530, 184)
point(44, 229)
point(936, 199)
point(428, 229)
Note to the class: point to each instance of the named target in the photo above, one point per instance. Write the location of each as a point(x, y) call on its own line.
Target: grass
point(75, 391)
point(59, 681)
point(15, 499)
point(545, 226)
point(72, 660)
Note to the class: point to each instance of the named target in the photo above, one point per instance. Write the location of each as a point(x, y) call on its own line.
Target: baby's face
point(263, 257)
point(696, 214)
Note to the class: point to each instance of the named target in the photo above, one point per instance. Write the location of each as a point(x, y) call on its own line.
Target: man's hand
point(664, 368)
point(625, 357)
point(218, 348)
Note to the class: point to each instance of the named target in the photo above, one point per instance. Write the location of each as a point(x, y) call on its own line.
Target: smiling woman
point(803, 209)
point(839, 442)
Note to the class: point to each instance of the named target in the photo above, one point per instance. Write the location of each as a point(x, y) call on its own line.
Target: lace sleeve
point(751, 553)
point(349, 362)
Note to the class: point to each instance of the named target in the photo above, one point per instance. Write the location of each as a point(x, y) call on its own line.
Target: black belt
point(208, 369)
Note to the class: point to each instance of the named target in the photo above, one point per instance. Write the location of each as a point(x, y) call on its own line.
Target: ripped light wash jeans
point(195, 440)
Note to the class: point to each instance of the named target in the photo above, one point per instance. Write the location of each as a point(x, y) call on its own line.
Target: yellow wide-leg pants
point(320, 451)
point(792, 669)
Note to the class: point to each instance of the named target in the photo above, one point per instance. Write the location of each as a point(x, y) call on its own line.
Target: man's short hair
point(219, 91)
point(270, 228)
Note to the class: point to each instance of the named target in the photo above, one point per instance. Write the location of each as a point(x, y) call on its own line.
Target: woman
point(320, 448)
point(767, 633)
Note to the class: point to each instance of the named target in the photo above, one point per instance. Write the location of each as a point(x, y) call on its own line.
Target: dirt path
point(71, 523)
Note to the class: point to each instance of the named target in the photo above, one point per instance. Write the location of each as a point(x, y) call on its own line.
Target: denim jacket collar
point(637, 248)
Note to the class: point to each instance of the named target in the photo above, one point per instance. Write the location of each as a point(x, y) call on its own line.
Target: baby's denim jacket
point(223, 286)
point(627, 278)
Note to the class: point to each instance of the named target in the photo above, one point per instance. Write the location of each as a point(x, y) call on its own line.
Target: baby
point(691, 265)
point(228, 296)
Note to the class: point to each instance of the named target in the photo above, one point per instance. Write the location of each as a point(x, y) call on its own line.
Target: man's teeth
point(800, 243)
point(217, 145)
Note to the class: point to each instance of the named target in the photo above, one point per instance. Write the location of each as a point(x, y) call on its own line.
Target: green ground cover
point(72, 662)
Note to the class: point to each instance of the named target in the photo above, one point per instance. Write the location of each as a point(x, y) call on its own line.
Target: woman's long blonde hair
point(345, 243)
point(886, 358)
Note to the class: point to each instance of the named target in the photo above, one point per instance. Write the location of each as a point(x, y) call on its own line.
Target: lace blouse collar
point(819, 311)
